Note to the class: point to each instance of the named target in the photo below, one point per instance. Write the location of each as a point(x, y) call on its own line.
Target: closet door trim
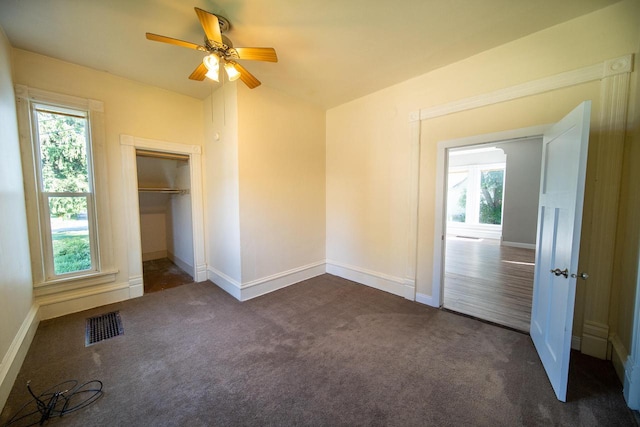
point(129, 144)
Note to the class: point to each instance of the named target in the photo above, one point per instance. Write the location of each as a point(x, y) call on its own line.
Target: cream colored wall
point(179, 223)
point(368, 140)
point(16, 292)
point(131, 108)
point(281, 154)
point(153, 235)
point(368, 161)
point(220, 159)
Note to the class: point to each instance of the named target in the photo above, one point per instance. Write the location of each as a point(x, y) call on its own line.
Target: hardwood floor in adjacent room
point(489, 281)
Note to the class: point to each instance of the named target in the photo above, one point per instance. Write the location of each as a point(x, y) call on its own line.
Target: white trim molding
point(226, 283)
point(105, 270)
point(427, 300)
point(264, 285)
point(595, 339)
point(440, 204)
point(631, 388)
point(576, 342)
point(128, 146)
point(614, 75)
point(384, 282)
point(614, 96)
point(414, 214)
point(611, 67)
point(57, 305)
point(12, 361)
point(136, 286)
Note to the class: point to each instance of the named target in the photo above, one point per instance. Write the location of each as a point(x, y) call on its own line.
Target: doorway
point(166, 231)
point(489, 230)
point(130, 146)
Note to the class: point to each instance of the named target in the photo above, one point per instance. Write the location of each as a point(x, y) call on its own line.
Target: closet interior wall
point(165, 210)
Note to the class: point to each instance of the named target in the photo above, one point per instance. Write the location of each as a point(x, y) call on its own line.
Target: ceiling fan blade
point(257, 53)
point(199, 73)
point(209, 24)
point(246, 77)
point(165, 39)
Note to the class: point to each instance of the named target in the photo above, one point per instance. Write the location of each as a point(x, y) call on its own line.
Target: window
point(67, 206)
point(65, 188)
point(474, 195)
point(457, 196)
point(491, 185)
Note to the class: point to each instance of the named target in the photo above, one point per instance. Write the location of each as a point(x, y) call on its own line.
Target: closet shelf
point(162, 190)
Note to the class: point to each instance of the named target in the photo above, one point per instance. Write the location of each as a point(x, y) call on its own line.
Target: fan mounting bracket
point(225, 25)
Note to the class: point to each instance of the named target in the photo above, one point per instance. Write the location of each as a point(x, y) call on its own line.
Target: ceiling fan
point(220, 50)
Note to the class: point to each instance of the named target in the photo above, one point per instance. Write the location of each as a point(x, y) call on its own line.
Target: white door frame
point(613, 75)
point(441, 193)
point(128, 146)
point(614, 78)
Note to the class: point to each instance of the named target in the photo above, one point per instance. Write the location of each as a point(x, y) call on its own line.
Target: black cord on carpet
point(56, 401)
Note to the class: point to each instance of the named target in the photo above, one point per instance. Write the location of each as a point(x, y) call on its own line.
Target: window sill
point(79, 281)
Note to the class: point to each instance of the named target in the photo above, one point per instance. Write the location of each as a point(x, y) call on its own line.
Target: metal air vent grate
point(103, 327)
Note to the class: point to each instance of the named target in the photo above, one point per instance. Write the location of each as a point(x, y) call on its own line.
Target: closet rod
point(162, 190)
point(161, 155)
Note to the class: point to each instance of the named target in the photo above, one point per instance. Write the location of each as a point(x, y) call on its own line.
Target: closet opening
point(166, 229)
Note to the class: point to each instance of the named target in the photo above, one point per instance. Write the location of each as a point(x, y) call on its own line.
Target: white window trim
point(105, 270)
point(44, 196)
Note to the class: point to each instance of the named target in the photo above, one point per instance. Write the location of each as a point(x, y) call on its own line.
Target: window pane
point(457, 196)
point(69, 234)
point(63, 152)
point(491, 183)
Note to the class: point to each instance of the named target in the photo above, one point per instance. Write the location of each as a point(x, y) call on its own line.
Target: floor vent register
point(103, 327)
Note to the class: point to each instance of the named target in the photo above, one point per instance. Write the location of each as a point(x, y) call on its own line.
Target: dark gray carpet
point(324, 352)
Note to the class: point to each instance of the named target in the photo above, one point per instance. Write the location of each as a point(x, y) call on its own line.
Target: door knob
point(583, 276)
point(559, 272)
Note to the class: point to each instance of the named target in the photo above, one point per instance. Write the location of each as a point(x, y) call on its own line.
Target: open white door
point(564, 163)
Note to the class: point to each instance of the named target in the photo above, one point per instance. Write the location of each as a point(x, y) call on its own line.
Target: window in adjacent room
point(474, 194)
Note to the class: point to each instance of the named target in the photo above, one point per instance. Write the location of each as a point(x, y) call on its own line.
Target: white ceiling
point(330, 51)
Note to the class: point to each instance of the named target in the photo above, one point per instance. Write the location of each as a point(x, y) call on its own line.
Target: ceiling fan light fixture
point(213, 75)
point(212, 62)
point(232, 72)
point(219, 49)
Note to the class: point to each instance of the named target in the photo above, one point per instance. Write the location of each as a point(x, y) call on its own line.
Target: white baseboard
point(136, 286)
point(427, 299)
point(185, 266)
point(631, 390)
point(201, 273)
point(12, 361)
point(519, 245)
point(83, 299)
point(576, 343)
point(595, 339)
point(150, 256)
point(628, 370)
point(226, 283)
point(478, 231)
point(374, 279)
point(619, 356)
point(255, 288)
point(262, 286)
